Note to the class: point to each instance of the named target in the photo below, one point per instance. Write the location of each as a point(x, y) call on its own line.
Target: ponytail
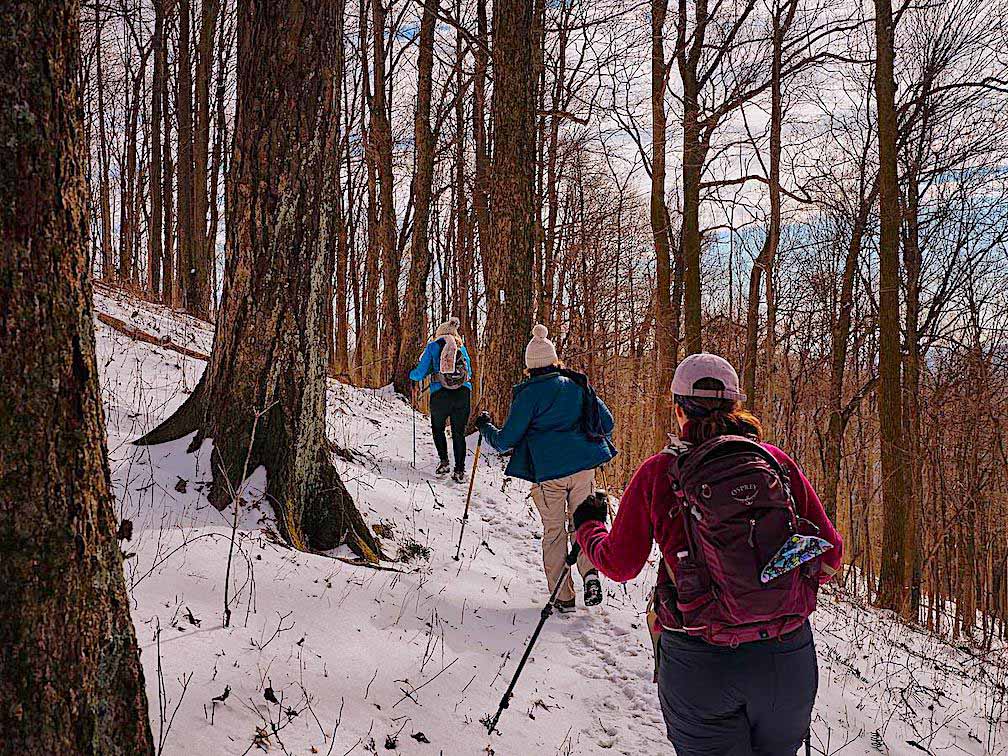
point(708, 418)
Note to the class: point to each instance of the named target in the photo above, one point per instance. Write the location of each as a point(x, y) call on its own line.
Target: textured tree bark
point(894, 573)
point(833, 444)
point(782, 17)
point(79, 692)
point(169, 286)
point(104, 201)
point(203, 245)
point(268, 353)
point(381, 145)
point(666, 330)
point(128, 198)
point(465, 284)
point(414, 321)
point(912, 260)
point(188, 290)
point(694, 153)
point(481, 182)
point(509, 304)
point(217, 156)
point(336, 251)
point(366, 349)
point(155, 231)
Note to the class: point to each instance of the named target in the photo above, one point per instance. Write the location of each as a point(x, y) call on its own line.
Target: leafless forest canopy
point(809, 188)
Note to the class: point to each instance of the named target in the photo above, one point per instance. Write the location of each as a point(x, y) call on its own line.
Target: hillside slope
point(408, 659)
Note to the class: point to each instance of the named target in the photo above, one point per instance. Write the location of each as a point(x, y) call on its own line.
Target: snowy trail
point(365, 661)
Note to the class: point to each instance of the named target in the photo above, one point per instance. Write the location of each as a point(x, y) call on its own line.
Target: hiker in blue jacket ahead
point(446, 360)
point(558, 431)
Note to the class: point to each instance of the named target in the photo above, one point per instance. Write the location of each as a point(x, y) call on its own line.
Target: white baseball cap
point(705, 365)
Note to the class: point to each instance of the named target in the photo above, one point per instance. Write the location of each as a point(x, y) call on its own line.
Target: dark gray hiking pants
point(754, 700)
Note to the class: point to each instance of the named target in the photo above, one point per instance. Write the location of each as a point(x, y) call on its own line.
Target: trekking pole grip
point(602, 499)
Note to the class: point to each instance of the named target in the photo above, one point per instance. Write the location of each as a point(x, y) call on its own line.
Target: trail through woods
point(322, 656)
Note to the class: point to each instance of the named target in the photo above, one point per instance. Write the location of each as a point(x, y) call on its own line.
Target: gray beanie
point(540, 351)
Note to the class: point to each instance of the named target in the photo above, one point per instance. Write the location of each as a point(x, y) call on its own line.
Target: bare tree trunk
point(336, 243)
point(169, 284)
point(155, 244)
point(782, 17)
point(220, 148)
point(481, 184)
point(666, 330)
point(894, 575)
point(414, 321)
point(381, 145)
point(911, 391)
point(203, 246)
point(104, 201)
point(82, 691)
point(268, 351)
point(693, 156)
point(509, 304)
point(465, 285)
point(366, 351)
point(130, 184)
point(186, 245)
point(838, 417)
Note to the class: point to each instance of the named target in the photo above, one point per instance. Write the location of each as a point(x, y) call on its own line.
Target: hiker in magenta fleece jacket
point(745, 698)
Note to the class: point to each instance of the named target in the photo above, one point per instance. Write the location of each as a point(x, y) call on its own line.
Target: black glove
point(595, 507)
point(482, 419)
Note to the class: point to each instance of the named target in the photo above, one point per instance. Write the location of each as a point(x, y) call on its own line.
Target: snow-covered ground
point(325, 657)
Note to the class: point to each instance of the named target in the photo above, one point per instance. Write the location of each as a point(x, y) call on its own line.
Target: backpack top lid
point(720, 456)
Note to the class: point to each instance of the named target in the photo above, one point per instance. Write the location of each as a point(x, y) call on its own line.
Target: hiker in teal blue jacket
point(558, 431)
point(450, 393)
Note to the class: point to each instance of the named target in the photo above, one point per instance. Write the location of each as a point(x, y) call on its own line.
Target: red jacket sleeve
point(808, 506)
point(621, 553)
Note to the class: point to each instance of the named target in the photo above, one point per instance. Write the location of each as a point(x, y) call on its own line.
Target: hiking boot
point(564, 606)
point(592, 589)
point(443, 468)
point(459, 476)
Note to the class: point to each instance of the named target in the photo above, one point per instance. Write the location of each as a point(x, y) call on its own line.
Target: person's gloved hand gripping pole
point(594, 508)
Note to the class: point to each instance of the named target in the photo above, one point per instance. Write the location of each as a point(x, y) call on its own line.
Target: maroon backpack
point(735, 501)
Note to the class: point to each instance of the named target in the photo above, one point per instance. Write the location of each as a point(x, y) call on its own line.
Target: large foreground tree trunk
point(269, 351)
point(68, 654)
point(510, 274)
point(897, 561)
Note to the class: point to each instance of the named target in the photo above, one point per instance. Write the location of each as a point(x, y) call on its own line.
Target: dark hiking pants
point(450, 405)
point(754, 700)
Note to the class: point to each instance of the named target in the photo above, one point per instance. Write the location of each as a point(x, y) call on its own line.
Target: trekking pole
point(412, 404)
point(472, 479)
point(547, 610)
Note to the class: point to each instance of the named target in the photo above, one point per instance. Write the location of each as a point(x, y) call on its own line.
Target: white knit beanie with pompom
point(540, 351)
point(450, 326)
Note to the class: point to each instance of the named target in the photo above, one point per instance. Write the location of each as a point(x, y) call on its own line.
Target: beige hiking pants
point(556, 501)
